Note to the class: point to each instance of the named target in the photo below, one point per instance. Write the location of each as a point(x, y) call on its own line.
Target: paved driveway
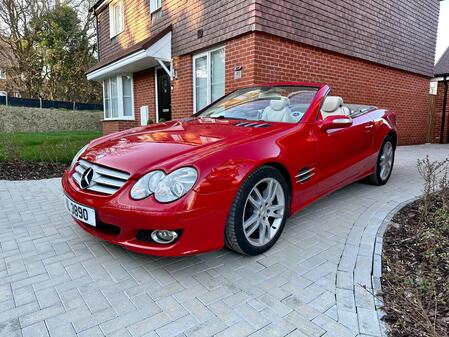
point(56, 280)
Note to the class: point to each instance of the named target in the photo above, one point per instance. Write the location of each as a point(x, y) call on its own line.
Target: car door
point(342, 153)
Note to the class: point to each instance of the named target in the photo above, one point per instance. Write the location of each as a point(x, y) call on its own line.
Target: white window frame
point(120, 106)
point(209, 74)
point(2, 74)
point(155, 5)
point(113, 28)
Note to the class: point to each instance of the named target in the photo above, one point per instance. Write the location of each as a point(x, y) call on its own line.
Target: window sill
point(117, 34)
point(126, 119)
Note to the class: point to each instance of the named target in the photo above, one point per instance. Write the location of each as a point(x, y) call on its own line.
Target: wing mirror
point(336, 122)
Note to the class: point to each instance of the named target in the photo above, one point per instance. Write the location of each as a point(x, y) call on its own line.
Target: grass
point(44, 146)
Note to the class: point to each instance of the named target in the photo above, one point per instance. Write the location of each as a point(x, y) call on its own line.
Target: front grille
point(105, 180)
point(107, 229)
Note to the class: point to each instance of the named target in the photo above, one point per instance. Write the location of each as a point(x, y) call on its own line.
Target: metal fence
point(48, 104)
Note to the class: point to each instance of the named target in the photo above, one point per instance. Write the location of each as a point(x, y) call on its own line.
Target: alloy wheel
point(264, 211)
point(386, 160)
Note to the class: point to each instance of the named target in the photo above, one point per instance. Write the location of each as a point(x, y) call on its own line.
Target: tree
point(67, 54)
point(50, 48)
point(19, 28)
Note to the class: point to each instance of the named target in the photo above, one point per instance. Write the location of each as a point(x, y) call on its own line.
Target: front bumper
point(199, 217)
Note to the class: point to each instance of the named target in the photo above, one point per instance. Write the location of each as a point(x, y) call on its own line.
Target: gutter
point(96, 5)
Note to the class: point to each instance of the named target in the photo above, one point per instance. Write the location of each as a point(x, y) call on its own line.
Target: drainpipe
point(443, 117)
point(98, 38)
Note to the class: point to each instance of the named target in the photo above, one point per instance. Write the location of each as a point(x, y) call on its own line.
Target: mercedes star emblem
point(87, 177)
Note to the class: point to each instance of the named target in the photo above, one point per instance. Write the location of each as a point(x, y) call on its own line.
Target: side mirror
point(336, 122)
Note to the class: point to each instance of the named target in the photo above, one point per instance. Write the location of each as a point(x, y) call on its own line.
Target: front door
point(163, 95)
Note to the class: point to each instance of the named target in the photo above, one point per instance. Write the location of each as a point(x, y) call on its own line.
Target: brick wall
point(114, 126)
point(357, 81)
point(267, 58)
point(182, 93)
point(240, 52)
point(144, 93)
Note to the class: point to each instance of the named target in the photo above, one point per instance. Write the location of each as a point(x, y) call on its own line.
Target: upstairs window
point(116, 17)
point(118, 98)
point(155, 5)
point(2, 74)
point(208, 77)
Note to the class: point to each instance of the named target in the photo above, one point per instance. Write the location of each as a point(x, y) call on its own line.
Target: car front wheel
point(258, 213)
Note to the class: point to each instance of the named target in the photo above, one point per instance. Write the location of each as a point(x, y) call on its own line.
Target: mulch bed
point(415, 280)
point(28, 170)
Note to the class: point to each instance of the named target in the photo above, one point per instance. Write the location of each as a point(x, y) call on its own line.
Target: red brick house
point(171, 57)
point(440, 106)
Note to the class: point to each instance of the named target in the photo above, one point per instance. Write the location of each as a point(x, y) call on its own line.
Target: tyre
point(385, 162)
point(258, 214)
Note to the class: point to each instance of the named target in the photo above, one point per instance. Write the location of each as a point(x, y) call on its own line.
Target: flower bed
point(415, 273)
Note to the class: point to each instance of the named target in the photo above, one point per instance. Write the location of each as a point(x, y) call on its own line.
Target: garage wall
point(357, 81)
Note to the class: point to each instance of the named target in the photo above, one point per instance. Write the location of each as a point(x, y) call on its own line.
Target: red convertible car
point(229, 175)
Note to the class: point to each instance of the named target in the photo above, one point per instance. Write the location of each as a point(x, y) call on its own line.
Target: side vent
point(305, 174)
point(252, 125)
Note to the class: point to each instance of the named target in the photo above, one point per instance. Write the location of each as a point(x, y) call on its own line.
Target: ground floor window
point(118, 97)
point(208, 77)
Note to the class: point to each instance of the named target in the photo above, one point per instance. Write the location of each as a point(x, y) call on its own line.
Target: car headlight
point(166, 188)
point(146, 185)
point(78, 155)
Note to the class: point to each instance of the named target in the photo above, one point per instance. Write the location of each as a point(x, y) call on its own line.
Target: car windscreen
point(287, 104)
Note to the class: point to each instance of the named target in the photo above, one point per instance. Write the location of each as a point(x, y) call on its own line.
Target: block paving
point(318, 280)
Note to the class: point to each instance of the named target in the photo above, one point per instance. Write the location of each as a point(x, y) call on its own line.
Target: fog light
point(163, 236)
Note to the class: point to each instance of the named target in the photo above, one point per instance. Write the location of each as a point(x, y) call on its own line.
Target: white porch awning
point(156, 54)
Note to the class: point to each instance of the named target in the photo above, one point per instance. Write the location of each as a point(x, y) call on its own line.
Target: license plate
point(80, 212)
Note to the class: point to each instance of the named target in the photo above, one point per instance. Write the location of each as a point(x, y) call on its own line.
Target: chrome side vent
point(96, 178)
point(305, 174)
point(252, 125)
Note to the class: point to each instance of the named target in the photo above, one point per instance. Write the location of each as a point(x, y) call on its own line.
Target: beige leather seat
point(277, 111)
point(332, 106)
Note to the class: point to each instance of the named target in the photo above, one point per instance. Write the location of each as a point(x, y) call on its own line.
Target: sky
point(443, 30)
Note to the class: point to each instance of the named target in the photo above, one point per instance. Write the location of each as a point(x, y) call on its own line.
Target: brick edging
point(376, 272)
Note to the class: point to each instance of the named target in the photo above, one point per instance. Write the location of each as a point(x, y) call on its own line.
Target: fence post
point(6, 99)
point(73, 105)
point(40, 102)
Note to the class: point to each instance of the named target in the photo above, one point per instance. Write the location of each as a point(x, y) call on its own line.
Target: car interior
point(333, 106)
point(277, 111)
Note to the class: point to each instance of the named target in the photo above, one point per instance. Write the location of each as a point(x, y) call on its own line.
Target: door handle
point(369, 126)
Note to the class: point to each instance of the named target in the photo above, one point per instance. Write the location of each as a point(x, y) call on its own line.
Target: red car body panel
point(224, 155)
